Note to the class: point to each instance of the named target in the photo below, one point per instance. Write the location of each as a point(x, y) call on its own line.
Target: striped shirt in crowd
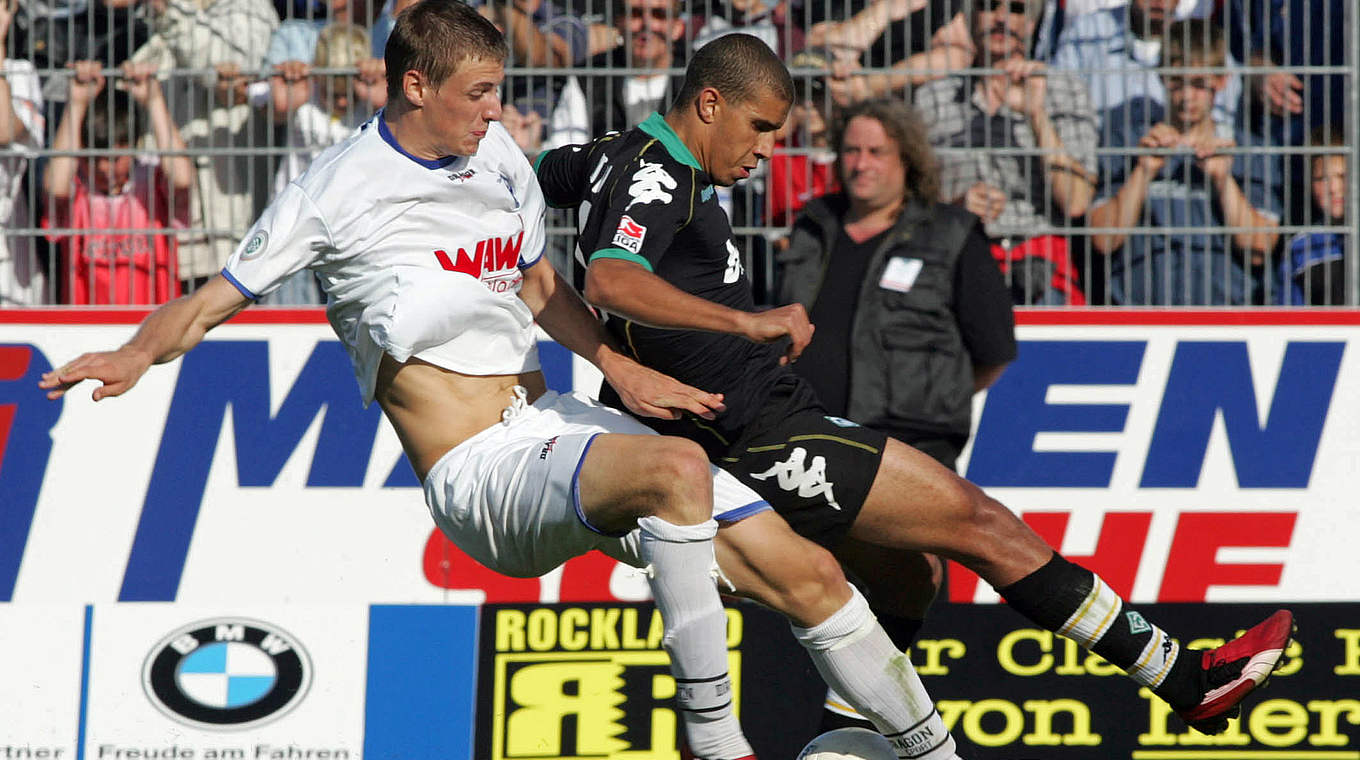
point(953, 111)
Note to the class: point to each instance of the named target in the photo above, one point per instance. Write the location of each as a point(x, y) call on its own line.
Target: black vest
point(909, 369)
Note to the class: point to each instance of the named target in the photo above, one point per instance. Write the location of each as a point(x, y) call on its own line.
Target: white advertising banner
point(234, 560)
point(1194, 456)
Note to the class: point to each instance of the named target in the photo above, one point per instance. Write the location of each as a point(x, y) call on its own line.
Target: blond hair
point(341, 46)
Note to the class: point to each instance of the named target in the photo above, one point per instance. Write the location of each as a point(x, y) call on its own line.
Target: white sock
point(858, 660)
point(840, 705)
point(679, 559)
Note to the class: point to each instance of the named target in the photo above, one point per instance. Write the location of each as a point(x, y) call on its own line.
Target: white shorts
point(509, 496)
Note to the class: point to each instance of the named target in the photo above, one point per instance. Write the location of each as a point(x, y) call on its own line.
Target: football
point(848, 744)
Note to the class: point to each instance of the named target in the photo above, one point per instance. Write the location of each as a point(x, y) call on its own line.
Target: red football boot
point(1237, 668)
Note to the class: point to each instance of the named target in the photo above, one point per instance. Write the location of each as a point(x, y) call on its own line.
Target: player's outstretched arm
point(627, 289)
point(165, 334)
point(644, 391)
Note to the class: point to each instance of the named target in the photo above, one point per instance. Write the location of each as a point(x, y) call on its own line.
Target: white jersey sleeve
point(288, 237)
point(524, 185)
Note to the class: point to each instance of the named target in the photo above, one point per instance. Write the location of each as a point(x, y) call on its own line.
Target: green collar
point(656, 126)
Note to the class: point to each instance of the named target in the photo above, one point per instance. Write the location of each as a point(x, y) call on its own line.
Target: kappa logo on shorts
point(792, 474)
point(226, 673)
point(629, 235)
point(650, 183)
point(547, 447)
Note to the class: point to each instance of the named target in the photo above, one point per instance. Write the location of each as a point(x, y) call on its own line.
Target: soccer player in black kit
point(663, 266)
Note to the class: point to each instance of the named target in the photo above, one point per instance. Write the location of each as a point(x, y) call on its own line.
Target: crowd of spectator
point(1124, 152)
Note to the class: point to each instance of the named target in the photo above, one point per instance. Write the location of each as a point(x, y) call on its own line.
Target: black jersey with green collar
point(643, 198)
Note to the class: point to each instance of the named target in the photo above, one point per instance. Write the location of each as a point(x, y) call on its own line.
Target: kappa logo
point(629, 235)
point(734, 269)
point(650, 183)
point(226, 673)
point(793, 474)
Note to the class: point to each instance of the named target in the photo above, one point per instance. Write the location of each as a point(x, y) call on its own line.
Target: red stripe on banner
point(6, 421)
point(14, 361)
point(315, 315)
point(1187, 317)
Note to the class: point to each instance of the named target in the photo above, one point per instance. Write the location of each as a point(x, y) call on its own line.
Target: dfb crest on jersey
point(226, 673)
point(256, 245)
point(650, 183)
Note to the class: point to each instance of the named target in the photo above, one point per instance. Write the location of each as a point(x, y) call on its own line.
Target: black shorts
point(814, 469)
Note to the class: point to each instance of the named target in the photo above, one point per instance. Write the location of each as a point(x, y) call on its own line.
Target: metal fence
point(120, 210)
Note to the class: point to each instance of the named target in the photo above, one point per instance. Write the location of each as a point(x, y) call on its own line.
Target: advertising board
point(242, 506)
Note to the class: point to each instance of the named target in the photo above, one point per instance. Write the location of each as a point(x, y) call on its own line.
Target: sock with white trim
point(680, 560)
point(1072, 601)
point(836, 711)
point(857, 660)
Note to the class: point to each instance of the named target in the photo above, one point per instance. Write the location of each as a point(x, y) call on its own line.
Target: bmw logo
point(227, 673)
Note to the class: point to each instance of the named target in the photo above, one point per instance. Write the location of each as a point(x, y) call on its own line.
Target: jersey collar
point(656, 126)
point(390, 139)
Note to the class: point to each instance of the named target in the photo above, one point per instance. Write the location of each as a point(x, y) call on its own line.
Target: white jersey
point(21, 277)
point(418, 258)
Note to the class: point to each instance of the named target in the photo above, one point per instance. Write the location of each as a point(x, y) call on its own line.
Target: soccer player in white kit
point(426, 230)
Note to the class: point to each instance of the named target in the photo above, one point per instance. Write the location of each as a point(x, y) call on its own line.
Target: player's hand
point(649, 393)
point(116, 370)
point(776, 324)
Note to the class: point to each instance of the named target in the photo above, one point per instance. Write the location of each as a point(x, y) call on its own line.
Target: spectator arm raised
point(1121, 210)
point(1073, 187)
point(60, 173)
point(12, 128)
point(1238, 212)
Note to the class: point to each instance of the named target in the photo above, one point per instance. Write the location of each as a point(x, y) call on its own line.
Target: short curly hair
point(740, 66)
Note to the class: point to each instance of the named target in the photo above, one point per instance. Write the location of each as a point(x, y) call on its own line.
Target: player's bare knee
point(679, 473)
point(814, 585)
